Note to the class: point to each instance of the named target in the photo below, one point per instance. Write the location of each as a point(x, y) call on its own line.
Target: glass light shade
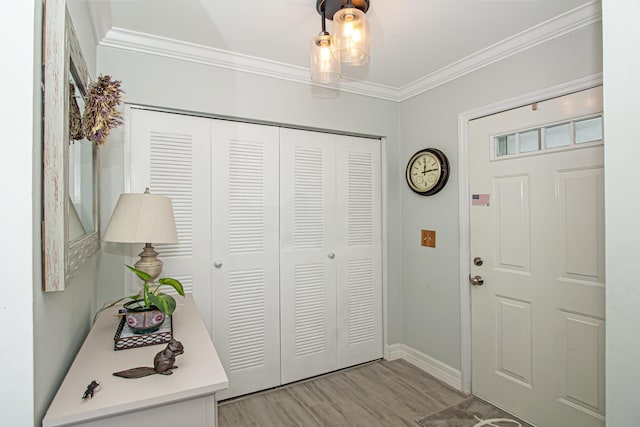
point(351, 36)
point(324, 67)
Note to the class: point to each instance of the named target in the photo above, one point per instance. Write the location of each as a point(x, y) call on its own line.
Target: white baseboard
point(431, 366)
point(393, 352)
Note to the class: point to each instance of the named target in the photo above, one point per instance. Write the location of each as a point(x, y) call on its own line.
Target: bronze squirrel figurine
point(163, 363)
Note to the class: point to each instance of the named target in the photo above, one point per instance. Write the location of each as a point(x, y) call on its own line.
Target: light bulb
point(326, 54)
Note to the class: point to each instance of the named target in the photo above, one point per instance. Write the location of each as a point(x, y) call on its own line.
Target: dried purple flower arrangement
point(101, 113)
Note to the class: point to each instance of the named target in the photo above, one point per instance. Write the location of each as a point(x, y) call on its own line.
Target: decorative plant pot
point(143, 320)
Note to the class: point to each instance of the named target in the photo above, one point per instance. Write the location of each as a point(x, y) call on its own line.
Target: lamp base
point(149, 262)
point(332, 6)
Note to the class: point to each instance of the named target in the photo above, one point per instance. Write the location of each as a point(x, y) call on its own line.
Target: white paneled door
point(169, 153)
point(245, 248)
point(537, 249)
point(359, 250)
point(308, 251)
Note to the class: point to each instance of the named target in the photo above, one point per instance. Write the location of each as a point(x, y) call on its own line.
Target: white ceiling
point(410, 39)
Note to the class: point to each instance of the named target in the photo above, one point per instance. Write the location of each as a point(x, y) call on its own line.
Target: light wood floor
point(379, 393)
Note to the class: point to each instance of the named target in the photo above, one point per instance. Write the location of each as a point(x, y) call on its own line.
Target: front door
point(537, 267)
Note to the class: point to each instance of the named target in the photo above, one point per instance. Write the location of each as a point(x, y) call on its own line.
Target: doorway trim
point(464, 118)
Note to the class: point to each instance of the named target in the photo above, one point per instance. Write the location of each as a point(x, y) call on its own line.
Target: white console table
point(186, 398)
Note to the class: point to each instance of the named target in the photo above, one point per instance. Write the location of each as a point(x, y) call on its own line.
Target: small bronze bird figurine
point(163, 363)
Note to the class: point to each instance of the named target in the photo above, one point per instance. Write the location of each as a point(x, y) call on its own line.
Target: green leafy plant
point(150, 295)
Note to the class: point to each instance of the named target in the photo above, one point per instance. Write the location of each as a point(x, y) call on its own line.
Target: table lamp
point(143, 218)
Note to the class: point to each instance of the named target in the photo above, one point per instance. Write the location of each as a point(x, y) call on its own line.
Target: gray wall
point(431, 290)
point(621, 39)
point(170, 83)
point(61, 319)
point(45, 330)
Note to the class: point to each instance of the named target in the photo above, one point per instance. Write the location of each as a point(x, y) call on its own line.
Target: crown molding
point(554, 28)
point(120, 38)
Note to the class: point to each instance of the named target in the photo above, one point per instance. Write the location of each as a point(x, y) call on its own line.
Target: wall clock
point(427, 171)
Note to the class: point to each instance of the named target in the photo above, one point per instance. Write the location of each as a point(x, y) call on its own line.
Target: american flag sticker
point(480, 200)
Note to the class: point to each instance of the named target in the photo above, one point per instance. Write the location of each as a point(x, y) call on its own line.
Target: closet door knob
point(217, 264)
point(331, 255)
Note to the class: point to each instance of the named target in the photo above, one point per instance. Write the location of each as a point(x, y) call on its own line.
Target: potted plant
point(147, 309)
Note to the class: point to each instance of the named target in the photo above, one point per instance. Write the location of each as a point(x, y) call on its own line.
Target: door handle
point(476, 280)
point(331, 255)
point(217, 264)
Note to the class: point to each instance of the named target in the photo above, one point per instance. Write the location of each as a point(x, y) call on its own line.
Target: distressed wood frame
point(62, 56)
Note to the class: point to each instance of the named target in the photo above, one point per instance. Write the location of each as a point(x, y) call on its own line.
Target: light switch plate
point(428, 238)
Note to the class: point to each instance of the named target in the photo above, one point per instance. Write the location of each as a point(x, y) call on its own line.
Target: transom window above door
point(552, 137)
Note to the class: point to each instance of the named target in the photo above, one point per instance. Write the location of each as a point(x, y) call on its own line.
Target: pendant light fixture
point(325, 68)
point(350, 41)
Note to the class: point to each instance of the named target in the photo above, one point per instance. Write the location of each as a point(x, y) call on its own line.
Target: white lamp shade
point(142, 218)
point(324, 67)
point(351, 36)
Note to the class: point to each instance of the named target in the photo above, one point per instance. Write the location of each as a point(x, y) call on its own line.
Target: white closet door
point(246, 323)
point(169, 153)
point(358, 250)
point(308, 254)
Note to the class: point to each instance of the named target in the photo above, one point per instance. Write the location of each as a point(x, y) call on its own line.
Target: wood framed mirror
point(70, 177)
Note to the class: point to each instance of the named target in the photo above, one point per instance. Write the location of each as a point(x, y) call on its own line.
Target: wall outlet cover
point(428, 238)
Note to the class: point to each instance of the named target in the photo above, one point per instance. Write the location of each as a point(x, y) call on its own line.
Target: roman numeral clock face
point(427, 171)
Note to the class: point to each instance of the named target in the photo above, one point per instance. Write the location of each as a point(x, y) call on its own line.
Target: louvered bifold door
point(169, 153)
point(246, 319)
point(359, 250)
point(308, 254)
